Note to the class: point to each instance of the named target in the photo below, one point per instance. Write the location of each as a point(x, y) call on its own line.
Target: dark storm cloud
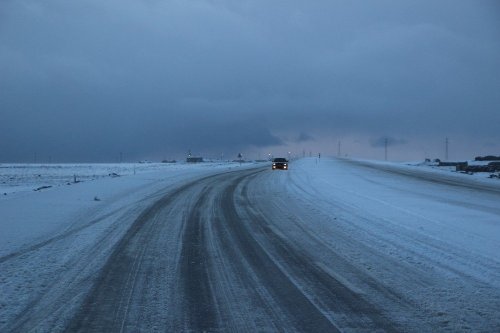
point(304, 137)
point(89, 79)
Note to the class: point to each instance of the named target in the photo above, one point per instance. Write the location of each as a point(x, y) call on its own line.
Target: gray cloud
point(304, 137)
point(85, 80)
point(386, 140)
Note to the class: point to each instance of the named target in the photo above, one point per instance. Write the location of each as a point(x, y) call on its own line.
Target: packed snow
point(431, 236)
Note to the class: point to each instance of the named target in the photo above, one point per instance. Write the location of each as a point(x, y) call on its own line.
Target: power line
point(385, 146)
point(446, 149)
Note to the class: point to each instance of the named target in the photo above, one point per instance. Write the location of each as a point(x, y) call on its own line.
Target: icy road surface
point(328, 246)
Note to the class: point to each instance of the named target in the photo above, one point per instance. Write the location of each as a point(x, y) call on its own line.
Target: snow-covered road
point(330, 245)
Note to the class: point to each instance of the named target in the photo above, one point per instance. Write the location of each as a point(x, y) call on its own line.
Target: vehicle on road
point(280, 163)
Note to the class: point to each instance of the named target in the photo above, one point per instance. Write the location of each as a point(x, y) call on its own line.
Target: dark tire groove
point(108, 291)
point(301, 312)
point(199, 301)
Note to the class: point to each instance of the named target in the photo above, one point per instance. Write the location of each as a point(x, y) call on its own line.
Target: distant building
point(192, 159)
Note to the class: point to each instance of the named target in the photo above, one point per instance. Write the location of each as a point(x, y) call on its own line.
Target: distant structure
point(239, 159)
point(192, 159)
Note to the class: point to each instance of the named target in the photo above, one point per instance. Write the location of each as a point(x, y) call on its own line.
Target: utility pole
point(338, 151)
point(446, 149)
point(385, 147)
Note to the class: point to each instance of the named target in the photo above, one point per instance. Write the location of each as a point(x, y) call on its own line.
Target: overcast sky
point(87, 80)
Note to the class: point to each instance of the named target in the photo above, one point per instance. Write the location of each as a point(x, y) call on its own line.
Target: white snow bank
point(447, 205)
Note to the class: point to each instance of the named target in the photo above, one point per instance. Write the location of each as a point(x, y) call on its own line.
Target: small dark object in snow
point(461, 165)
point(487, 158)
point(495, 166)
point(114, 174)
point(96, 199)
point(480, 168)
point(4, 193)
point(42, 188)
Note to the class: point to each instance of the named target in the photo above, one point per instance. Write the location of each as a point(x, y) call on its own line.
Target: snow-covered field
point(426, 239)
point(43, 200)
point(15, 178)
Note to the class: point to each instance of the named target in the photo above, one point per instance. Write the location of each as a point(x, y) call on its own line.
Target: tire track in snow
point(107, 306)
point(205, 259)
point(199, 300)
point(298, 311)
point(331, 296)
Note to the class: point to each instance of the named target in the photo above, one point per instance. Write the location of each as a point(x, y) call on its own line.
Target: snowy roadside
point(445, 173)
point(481, 177)
point(449, 206)
point(39, 201)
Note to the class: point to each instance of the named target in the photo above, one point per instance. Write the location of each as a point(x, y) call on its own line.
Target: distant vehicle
point(280, 163)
